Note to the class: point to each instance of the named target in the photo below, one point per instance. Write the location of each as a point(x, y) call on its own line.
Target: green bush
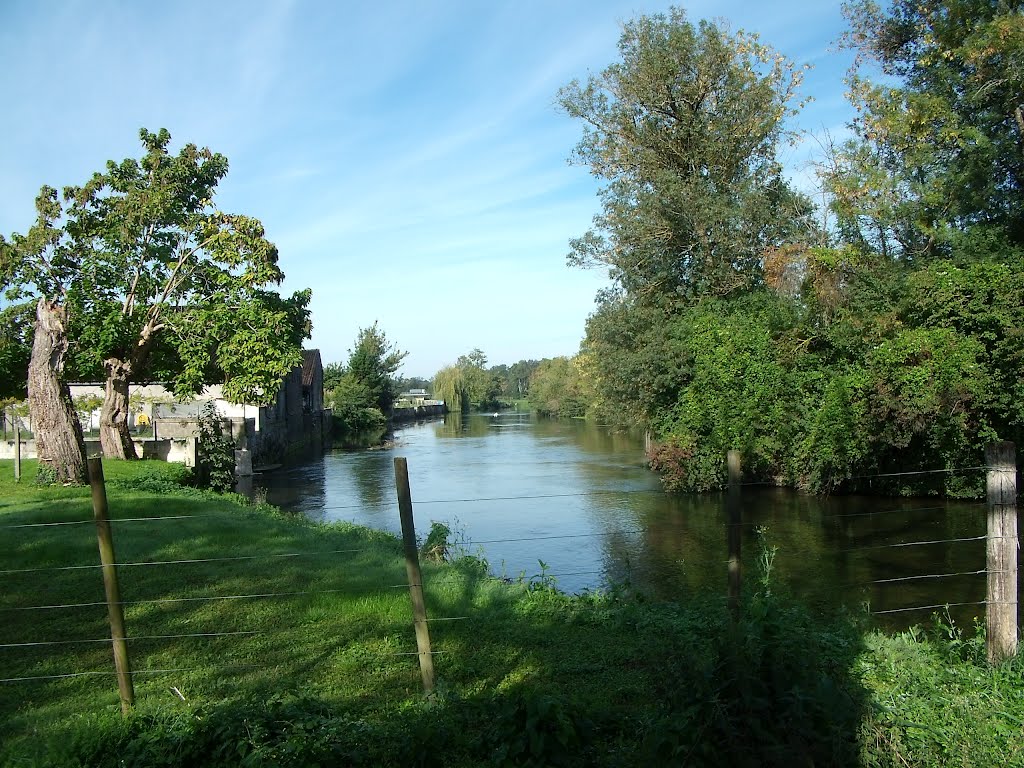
point(216, 460)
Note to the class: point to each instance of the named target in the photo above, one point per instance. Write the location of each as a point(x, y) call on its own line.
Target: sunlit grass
point(336, 628)
point(339, 626)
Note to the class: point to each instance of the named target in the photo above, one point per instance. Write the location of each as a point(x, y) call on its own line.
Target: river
point(576, 503)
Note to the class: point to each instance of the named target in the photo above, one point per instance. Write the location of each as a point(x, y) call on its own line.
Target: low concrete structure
point(296, 423)
point(181, 451)
point(434, 410)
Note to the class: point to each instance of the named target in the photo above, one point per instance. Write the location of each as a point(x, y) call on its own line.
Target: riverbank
point(269, 639)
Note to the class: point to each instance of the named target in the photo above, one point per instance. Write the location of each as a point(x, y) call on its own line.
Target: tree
point(939, 147)
point(332, 375)
point(37, 265)
point(16, 323)
point(514, 380)
point(407, 383)
point(372, 363)
point(481, 386)
point(152, 277)
point(450, 386)
point(555, 388)
point(363, 391)
point(684, 132)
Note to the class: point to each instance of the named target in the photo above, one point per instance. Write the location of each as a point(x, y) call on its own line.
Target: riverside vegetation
point(880, 333)
point(530, 676)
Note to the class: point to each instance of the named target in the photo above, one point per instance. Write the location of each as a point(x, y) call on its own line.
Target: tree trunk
point(58, 432)
point(114, 435)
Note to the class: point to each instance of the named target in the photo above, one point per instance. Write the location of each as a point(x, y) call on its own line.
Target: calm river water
point(523, 491)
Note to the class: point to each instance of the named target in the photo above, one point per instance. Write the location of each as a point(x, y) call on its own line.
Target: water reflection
point(580, 499)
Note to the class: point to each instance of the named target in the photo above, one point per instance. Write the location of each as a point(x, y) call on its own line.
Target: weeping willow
point(450, 386)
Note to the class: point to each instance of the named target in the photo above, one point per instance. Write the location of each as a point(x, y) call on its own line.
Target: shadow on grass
point(537, 680)
point(526, 675)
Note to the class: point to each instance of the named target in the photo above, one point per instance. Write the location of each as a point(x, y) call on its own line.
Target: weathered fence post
point(17, 451)
point(412, 569)
point(735, 523)
point(110, 586)
point(1001, 552)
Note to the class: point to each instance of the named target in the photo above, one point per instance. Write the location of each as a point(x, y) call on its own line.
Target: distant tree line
point(470, 384)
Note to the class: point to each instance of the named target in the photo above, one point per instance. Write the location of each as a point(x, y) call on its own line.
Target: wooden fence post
point(735, 524)
point(412, 569)
point(114, 608)
point(17, 452)
point(1001, 552)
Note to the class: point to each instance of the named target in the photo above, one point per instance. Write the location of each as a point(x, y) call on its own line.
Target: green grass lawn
point(323, 668)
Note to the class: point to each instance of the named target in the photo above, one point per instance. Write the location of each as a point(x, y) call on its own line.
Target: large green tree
point(372, 363)
point(555, 388)
point(939, 92)
point(684, 132)
point(450, 386)
point(362, 391)
point(151, 277)
point(482, 386)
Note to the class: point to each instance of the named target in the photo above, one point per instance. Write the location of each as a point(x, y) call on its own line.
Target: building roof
point(310, 363)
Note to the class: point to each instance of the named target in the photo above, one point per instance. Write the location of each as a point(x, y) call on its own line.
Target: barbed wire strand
point(469, 542)
point(130, 638)
point(909, 544)
point(927, 607)
point(883, 582)
point(523, 576)
point(558, 536)
point(184, 562)
point(231, 667)
point(203, 598)
point(112, 520)
point(205, 635)
point(918, 472)
point(114, 672)
point(886, 512)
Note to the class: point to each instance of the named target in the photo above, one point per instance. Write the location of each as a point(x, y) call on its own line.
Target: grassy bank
point(305, 657)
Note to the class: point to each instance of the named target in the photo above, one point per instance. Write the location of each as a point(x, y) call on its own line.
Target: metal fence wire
point(999, 540)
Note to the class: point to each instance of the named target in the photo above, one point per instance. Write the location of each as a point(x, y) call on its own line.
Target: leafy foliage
point(216, 448)
point(372, 364)
point(468, 383)
point(514, 380)
point(482, 386)
point(16, 327)
point(156, 281)
point(450, 386)
point(361, 392)
point(940, 147)
point(684, 131)
point(556, 388)
point(734, 323)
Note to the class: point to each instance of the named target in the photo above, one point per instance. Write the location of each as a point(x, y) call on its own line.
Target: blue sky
point(406, 157)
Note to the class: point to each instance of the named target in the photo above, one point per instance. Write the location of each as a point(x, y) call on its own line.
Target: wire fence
point(393, 638)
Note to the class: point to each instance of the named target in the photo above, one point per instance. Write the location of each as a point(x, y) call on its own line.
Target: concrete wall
point(400, 415)
point(181, 451)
